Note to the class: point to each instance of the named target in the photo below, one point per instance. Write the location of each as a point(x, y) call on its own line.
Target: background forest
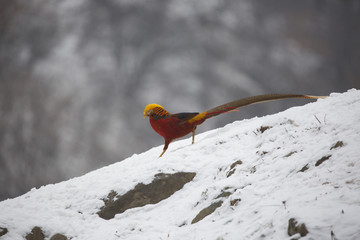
point(75, 75)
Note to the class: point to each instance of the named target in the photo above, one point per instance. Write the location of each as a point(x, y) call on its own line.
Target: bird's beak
point(147, 113)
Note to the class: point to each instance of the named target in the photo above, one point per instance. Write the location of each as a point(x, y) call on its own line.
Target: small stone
point(264, 128)
point(223, 194)
point(230, 172)
point(235, 201)
point(238, 162)
point(232, 168)
point(206, 211)
point(337, 145)
point(306, 167)
point(58, 236)
point(323, 159)
point(294, 228)
point(3, 231)
point(289, 154)
point(36, 234)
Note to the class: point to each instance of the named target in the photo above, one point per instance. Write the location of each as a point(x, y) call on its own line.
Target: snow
point(269, 183)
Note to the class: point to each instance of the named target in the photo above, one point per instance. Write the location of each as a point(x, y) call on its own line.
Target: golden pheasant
point(173, 126)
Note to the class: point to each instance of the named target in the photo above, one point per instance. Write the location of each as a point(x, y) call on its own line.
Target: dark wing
point(184, 116)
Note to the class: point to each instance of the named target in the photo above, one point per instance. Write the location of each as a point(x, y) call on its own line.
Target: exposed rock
point(289, 154)
point(162, 187)
point(238, 162)
point(36, 234)
point(223, 194)
point(337, 145)
point(235, 201)
point(295, 228)
point(306, 167)
point(58, 236)
point(264, 128)
point(263, 153)
point(323, 159)
point(110, 197)
point(232, 168)
point(206, 211)
point(230, 172)
point(3, 231)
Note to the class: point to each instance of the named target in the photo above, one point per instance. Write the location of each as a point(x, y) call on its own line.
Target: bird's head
point(154, 109)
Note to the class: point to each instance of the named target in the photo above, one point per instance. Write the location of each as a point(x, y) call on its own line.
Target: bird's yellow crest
point(151, 107)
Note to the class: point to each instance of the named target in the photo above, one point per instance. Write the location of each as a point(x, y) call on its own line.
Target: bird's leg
point(167, 142)
point(164, 150)
point(193, 135)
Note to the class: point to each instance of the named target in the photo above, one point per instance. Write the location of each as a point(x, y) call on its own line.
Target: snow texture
point(280, 177)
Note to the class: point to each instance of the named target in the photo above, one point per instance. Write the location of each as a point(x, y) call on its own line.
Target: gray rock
point(323, 159)
point(206, 211)
point(295, 228)
point(58, 236)
point(162, 187)
point(36, 234)
point(3, 231)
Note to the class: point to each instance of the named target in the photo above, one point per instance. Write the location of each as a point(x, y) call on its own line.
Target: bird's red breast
point(174, 125)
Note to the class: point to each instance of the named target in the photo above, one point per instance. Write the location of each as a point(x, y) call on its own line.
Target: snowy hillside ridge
point(291, 175)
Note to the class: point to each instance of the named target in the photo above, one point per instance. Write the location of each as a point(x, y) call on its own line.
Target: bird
point(173, 126)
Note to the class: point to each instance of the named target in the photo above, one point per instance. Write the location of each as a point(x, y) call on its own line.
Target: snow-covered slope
point(303, 163)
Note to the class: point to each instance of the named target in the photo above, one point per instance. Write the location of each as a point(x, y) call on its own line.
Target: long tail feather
point(247, 101)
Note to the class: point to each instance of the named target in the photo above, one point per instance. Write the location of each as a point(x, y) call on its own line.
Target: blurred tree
point(75, 75)
point(28, 128)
